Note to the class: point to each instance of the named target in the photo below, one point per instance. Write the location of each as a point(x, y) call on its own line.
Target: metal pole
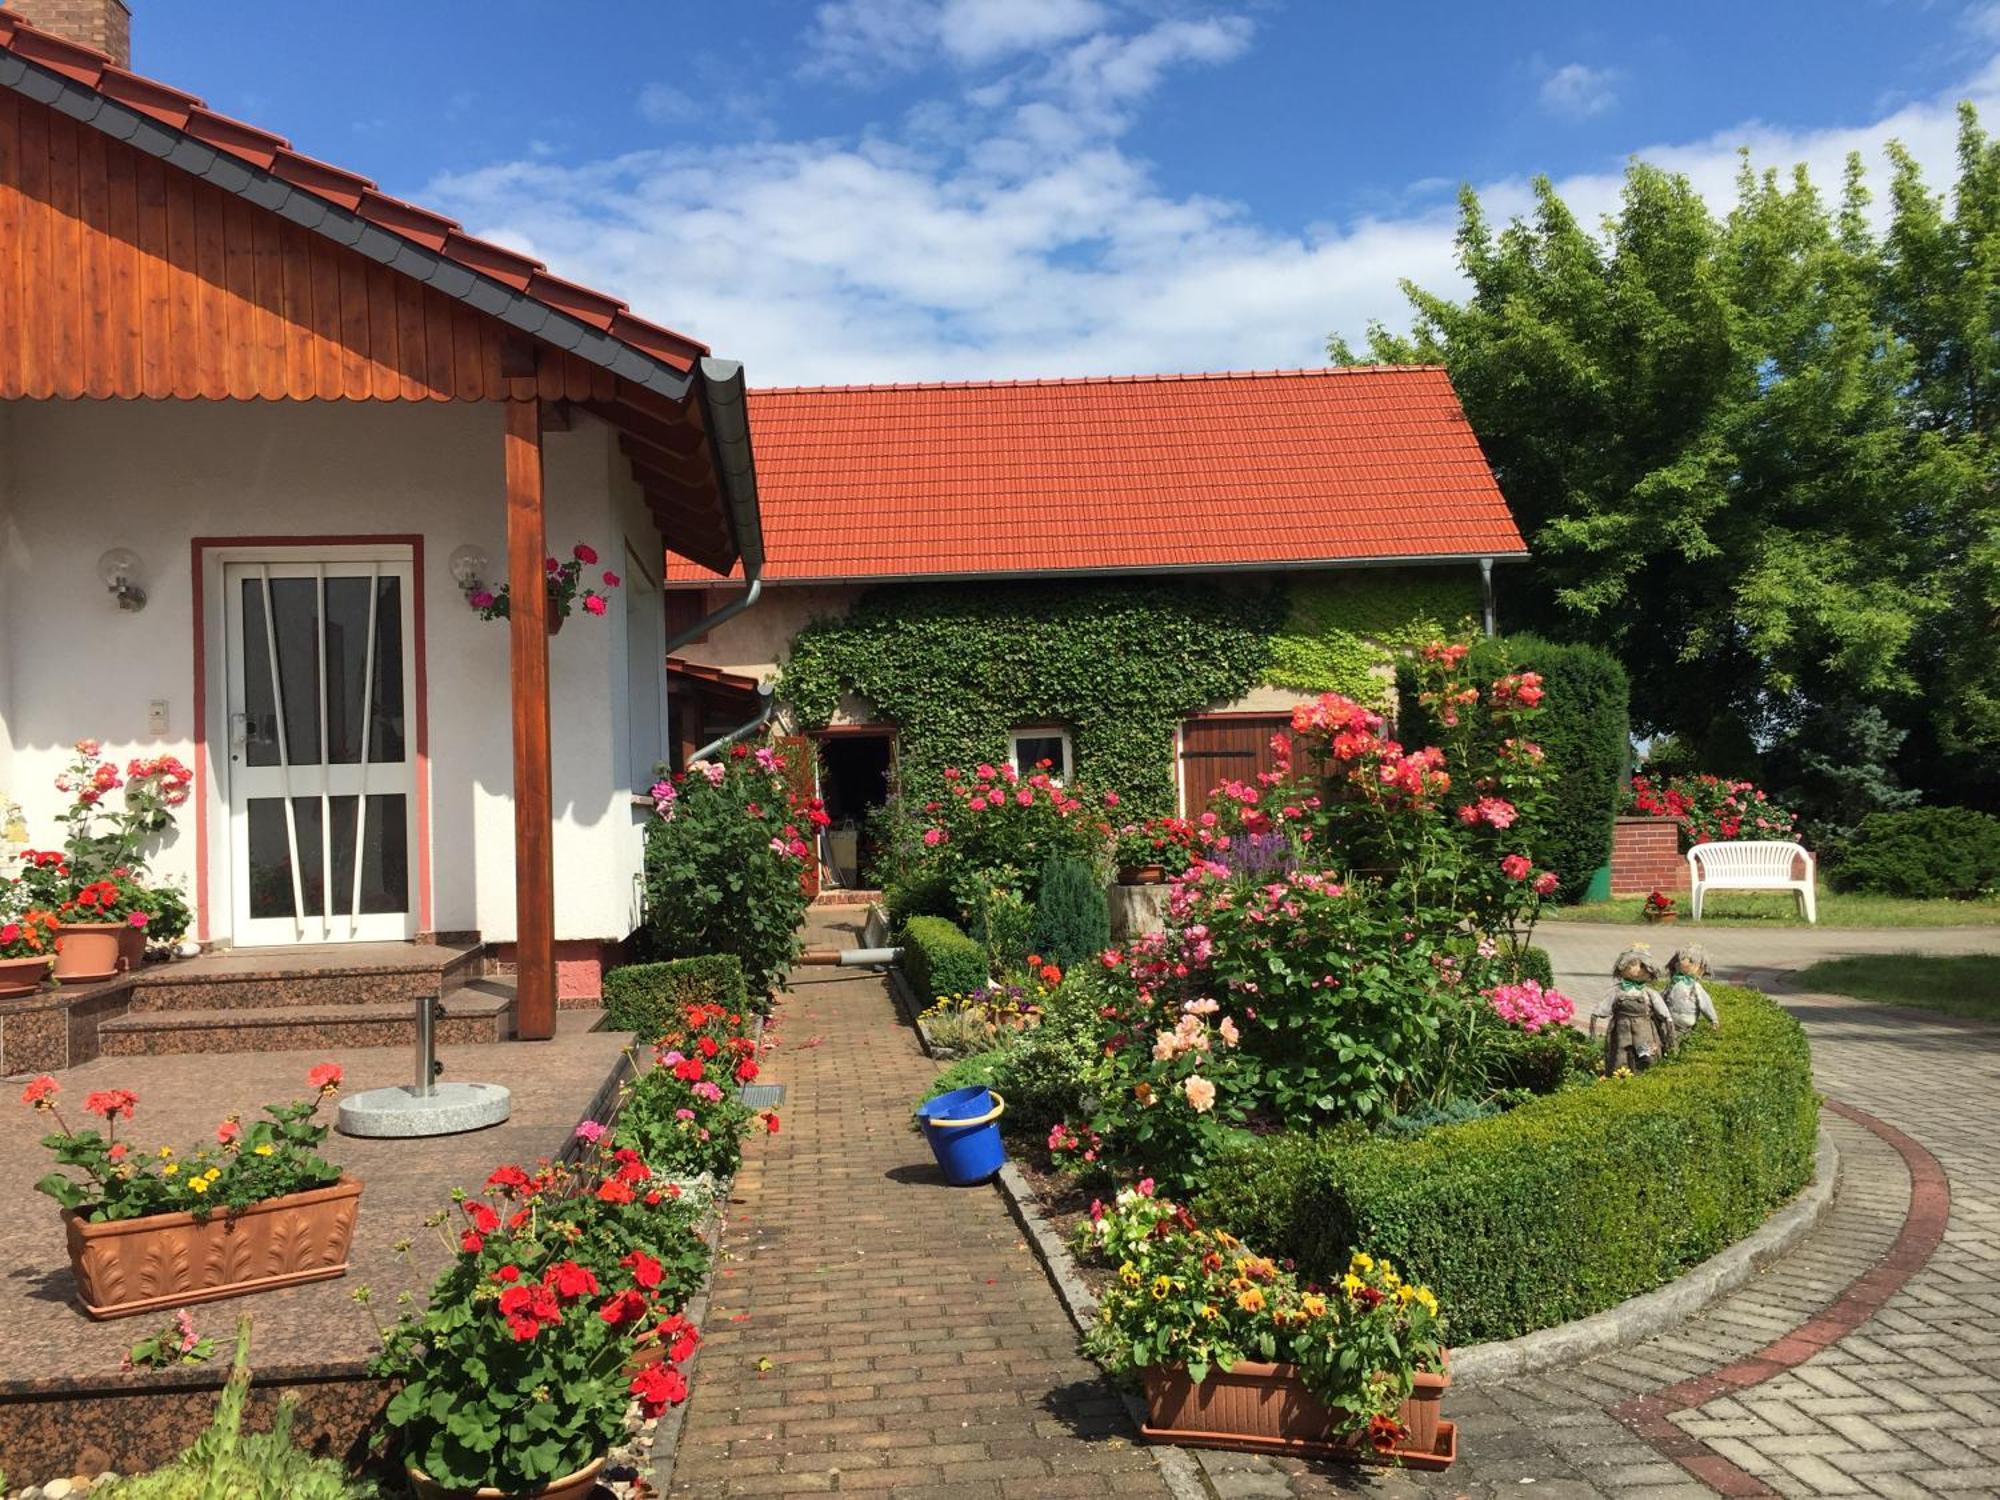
point(427, 1009)
point(1486, 593)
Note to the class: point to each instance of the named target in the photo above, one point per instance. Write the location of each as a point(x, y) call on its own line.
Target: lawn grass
point(1778, 909)
point(1964, 985)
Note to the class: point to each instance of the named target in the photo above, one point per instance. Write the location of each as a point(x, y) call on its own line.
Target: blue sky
point(918, 189)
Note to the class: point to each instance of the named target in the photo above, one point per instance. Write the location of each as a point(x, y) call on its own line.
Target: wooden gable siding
point(121, 276)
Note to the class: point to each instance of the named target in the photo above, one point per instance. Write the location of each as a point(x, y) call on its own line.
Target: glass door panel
point(322, 789)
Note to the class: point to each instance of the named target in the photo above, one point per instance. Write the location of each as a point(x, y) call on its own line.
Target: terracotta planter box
point(1142, 875)
point(569, 1487)
point(1259, 1408)
point(169, 1260)
point(87, 951)
point(22, 976)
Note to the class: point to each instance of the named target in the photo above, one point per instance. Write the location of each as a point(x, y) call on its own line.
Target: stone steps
point(481, 1010)
point(272, 981)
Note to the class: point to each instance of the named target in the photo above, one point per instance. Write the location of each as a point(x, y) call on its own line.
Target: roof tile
point(1133, 472)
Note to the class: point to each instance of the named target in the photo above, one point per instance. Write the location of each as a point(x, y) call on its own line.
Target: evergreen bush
point(939, 959)
point(1072, 921)
point(1585, 731)
point(645, 999)
point(1926, 853)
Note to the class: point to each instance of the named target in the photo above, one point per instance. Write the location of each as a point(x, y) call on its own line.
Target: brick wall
point(103, 24)
point(1646, 856)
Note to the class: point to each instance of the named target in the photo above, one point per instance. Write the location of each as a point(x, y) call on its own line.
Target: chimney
point(103, 24)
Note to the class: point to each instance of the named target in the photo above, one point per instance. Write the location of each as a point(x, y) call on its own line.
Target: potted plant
point(1234, 1352)
point(1153, 852)
point(563, 578)
point(146, 1229)
point(1659, 907)
point(516, 1375)
point(102, 929)
point(27, 943)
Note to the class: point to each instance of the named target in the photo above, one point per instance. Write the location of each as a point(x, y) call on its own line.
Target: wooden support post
point(528, 641)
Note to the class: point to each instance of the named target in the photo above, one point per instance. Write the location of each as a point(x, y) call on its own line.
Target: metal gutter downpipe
point(763, 717)
point(1487, 611)
point(709, 621)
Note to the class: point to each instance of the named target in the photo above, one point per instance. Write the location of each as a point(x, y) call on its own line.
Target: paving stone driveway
point(915, 1349)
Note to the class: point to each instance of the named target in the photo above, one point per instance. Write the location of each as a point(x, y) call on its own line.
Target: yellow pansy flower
point(198, 1184)
point(166, 1153)
point(264, 1150)
point(1208, 1310)
point(169, 1169)
point(1313, 1305)
point(1361, 1262)
point(1350, 1283)
point(1427, 1300)
point(1251, 1300)
point(1162, 1285)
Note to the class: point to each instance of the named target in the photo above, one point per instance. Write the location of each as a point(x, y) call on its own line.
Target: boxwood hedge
point(1561, 1207)
point(939, 959)
point(640, 997)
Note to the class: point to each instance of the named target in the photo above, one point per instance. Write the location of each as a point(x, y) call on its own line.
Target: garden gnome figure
point(1637, 1016)
point(1688, 1000)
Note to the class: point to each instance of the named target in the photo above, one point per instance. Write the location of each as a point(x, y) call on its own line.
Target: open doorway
point(856, 772)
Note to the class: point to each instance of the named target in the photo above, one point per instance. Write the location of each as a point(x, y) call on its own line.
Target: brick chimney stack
point(103, 24)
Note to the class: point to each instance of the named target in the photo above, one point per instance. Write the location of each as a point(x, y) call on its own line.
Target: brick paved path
point(916, 1350)
point(1906, 1405)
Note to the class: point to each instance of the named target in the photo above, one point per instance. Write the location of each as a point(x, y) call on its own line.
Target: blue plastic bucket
point(963, 1128)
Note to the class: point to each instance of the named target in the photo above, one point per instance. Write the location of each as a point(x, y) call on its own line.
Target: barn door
point(1225, 747)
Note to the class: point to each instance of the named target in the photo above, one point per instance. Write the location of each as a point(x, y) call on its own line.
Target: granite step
point(312, 979)
point(481, 1011)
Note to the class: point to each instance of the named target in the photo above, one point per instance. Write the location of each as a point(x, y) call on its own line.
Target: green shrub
point(1534, 963)
point(1563, 1206)
point(939, 959)
point(645, 999)
point(1585, 731)
point(1925, 853)
point(1072, 921)
point(921, 893)
point(1005, 923)
point(226, 1461)
point(721, 875)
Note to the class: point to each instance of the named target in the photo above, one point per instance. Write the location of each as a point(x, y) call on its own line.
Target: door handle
point(239, 735)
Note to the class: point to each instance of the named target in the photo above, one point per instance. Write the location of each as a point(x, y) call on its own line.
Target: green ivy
point(1120, 663)
point(1343, 633)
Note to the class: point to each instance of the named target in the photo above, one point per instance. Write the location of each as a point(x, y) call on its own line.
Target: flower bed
point(1565, 1205)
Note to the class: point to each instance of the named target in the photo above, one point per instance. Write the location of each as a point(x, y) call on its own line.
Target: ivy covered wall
point(1343, 631)
point(1120, 663)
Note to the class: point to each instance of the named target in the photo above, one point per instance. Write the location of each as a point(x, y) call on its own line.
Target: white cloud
point(668, 104)
point(859, 40)
point(1577, 92)
point(1016, 235)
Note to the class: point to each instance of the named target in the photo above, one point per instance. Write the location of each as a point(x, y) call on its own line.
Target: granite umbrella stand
point(424, 1107)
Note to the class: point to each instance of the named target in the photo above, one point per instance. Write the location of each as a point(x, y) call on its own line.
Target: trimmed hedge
point(1926, 853)
point(643, 998)
point(939, 959)
point(1563, 1206)
point(1585, 728)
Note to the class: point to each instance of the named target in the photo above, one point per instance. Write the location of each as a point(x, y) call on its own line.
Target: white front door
point(322, 755)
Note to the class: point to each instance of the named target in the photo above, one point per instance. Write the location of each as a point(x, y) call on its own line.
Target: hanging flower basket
point(563, 579)
point(1263, 1408)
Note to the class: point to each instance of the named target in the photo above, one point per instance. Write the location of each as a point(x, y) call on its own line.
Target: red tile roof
point(1140, 473)
point(346, 190)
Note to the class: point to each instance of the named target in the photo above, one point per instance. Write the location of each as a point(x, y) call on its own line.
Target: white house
point(260, 427)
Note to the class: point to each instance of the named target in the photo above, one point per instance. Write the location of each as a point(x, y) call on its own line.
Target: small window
point(1029, 748)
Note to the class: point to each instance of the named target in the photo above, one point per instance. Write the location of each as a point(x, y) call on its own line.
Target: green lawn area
point(1965, 985)
point(1757, 909)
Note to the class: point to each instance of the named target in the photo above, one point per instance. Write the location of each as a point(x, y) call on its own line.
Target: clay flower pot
point(86, 951)
point(569, 1487)
point(1142, 875)
point(22, 976)
point(1260, 1408)
point(127, 1266)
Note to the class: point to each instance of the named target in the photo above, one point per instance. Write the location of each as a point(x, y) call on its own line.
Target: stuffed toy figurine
point(1688, 1000)
point(1638, 1018)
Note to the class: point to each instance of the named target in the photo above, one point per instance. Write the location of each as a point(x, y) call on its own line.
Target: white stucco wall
point(152, 476)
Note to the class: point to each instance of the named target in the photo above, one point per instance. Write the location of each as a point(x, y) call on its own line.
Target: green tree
point(1753, 453)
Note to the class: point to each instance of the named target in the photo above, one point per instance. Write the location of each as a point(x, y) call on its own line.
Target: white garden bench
point(1751, 867)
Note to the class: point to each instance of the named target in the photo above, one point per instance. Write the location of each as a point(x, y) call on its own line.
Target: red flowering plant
point(1191, 1297)
point(111, 824)
point(523, 1361)
point(105, 1178)
point(995, 829)
point(563, 578)
point(684, 1112)
point(726, 861)
point(27, 930)
point(1170, 843)
point(1713, 809)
